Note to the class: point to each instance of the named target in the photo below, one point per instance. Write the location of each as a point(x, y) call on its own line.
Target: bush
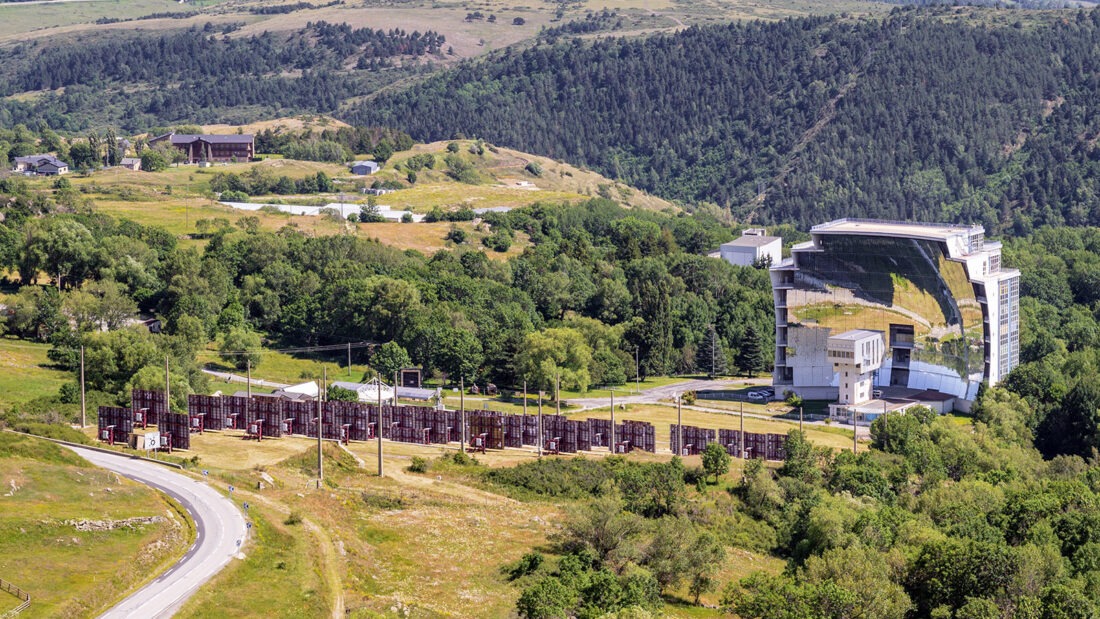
point(407, 218)
point(456, 235)
point(234, 196)
point(459, 458)
point(419, 465)
point(528, 564)
point(533, 168)
point(293, 519)
point(500, 240)
point(695, 476)
point(382, 501)
point(792, 398)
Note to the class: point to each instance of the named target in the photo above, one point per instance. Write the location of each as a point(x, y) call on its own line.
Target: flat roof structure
point(872, 227)
point(855, 335)
point(751, 240)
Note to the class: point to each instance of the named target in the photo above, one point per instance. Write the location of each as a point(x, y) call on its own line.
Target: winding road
point(220, 529)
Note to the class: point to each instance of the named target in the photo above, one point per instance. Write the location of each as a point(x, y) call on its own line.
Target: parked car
point(756, 395)
point(877, 393)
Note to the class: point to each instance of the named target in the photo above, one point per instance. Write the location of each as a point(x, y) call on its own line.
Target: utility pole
point(167, 390)
point(799, 418)
point(349, 358)
point(320, 425)
point(855, 433)
point(885, 428)
point(557, 393)
point(541, 393)
point(611, 444)
point(679, 427)
point(248, 382)
point(525, 397)
point(83, 406)
point(395, 372)
point(742, 427)
point(462, 408)
point(379, 437)
point(638, 369)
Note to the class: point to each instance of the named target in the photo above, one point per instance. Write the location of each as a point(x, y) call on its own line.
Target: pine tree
point(750, 357)
point(711, 355)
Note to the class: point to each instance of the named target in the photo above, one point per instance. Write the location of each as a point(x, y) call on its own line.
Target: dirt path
point(330, 568)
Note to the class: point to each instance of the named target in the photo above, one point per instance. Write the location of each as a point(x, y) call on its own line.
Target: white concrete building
point(947, 310)
point(753, 247)
point(856, 355)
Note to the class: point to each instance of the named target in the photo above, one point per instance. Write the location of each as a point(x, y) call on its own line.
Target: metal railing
point(17, 592)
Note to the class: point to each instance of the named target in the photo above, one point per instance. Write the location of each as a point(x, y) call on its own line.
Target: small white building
point(365, 167)
point(753, 247)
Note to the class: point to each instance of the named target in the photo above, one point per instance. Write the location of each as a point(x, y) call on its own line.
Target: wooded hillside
point(922, 115)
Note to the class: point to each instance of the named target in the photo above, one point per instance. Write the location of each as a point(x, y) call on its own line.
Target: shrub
point(456, 235)
point(234, 196)
point(382, 501)
point(695, 476)
point(500, 240)
point(533, 168)
point(293, 519)
point(528, 564)
point(792, 398)
point(460, 458)
point(419, 465)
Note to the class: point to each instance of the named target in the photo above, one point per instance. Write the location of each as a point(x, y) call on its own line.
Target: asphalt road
point(220, 529)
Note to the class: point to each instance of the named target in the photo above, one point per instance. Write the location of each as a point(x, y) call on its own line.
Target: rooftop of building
point(187, 138)
point(856, 335)
point(873, 227)
point(751, 240)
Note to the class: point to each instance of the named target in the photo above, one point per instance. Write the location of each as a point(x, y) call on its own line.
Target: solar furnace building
point(948, 312)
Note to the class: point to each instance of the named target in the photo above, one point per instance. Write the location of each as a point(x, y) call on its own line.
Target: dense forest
point(606, 284)
point(941, 113)
point(923, 115)
point(201, 75)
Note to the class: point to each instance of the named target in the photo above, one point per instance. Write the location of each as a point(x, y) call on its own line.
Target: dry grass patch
point(41, 499)
point(315, 123)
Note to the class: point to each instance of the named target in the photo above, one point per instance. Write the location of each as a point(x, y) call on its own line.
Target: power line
point(300, 349)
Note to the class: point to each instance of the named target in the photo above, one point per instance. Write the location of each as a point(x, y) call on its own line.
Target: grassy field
point(431, 545)
point(47, 488)
point(26, 373)
point(284, 368)
point(278, 575)
point(17, 18)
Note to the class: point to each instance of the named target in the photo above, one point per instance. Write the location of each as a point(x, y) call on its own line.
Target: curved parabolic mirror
point(922, 301)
